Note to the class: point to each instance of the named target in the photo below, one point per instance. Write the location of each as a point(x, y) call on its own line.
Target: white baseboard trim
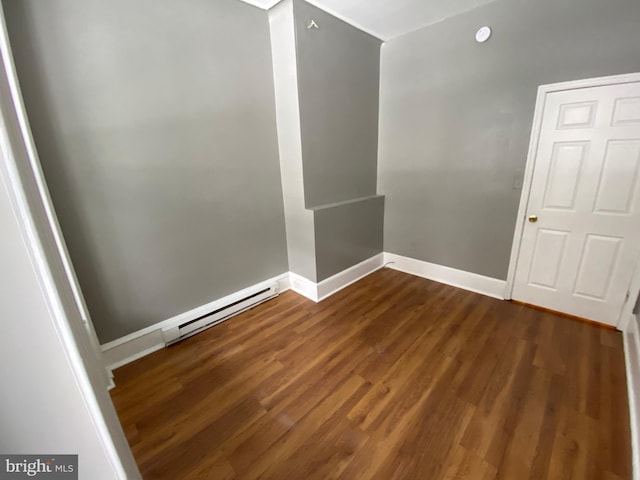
point(303, 286)
point(137, 346)
point(337, 282)
point(147, 340)
point(327, 287)
point(631, 337)
point(473, 282)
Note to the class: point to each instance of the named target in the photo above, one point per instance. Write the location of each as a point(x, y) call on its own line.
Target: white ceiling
point(387, 19)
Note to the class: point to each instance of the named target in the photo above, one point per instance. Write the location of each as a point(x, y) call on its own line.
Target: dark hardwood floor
point(395, 377)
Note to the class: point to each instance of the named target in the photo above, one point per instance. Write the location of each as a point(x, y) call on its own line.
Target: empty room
point(320, 239)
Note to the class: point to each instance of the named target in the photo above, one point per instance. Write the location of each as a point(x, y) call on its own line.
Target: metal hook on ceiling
point(312, 24)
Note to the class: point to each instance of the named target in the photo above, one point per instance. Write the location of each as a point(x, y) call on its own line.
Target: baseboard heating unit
point(190, 327)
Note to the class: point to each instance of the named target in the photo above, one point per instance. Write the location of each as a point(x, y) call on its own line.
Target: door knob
point(533, 218)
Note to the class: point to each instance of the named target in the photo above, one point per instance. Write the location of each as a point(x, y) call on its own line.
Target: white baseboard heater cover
point(191, 327)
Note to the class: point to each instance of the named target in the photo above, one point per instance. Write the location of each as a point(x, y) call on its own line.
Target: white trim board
point(39, 228)
point(150, 339)
point(492, 287)
point(269, 4)
point(347, 20)
point(142, 342)
point(136, 347)
point(632, 364)
point(631, 336)
point(543, 91)
point(327, 287)
point(262, 4)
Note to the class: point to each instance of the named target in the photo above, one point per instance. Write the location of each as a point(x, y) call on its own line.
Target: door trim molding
point(543, 91)
point(631, 345)
point(38, 226)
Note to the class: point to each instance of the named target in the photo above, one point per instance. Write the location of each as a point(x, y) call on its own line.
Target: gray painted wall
point(155, 125)
point(299, 220)
point(35, 370)
point(338, 78)
point(347, 234)
point(455, 118)
point(326, 90)
point(338, 69)
point(43, 408)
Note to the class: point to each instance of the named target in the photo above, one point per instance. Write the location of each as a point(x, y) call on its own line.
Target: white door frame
point(627, 310)
point(87, 369)
point(543, 91)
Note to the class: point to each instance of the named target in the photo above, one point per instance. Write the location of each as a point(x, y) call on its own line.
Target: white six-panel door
point(581, 242)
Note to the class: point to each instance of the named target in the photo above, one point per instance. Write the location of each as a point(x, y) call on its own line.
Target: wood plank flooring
point(394, 377)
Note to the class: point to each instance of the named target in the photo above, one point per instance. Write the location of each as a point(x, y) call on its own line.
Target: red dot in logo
point(48, 462)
